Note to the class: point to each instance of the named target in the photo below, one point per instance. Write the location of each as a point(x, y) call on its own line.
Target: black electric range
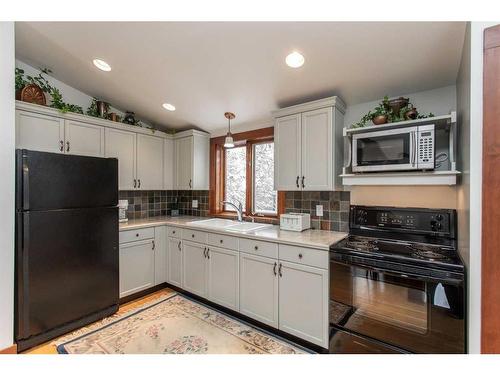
point(397, 283)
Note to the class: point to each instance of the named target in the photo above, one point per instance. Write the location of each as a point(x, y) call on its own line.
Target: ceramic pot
point(396, 104)
point(129, 118)
point(113, 116)
point(380, 120)
point(102, 108)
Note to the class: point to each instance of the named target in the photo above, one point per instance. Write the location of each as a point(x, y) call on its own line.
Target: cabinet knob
point(137, 234)
point(173, 231)
point(256, 247)
point(192, 236)
point(221, 241)
point(300, 256)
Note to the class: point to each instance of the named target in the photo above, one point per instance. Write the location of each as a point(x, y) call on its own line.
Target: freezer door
point(47, 181)
point(67, 266)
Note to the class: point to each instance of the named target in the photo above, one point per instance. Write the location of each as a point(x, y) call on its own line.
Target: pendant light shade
point(229, 142)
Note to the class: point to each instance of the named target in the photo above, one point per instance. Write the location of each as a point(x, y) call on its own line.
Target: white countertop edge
point(148, 223)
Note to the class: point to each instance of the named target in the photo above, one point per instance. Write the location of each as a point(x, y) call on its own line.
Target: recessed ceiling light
point(101, 64)
point(168, 107)
point(294, 60)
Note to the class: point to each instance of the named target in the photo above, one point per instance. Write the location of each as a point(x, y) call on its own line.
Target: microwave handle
point(414, 148)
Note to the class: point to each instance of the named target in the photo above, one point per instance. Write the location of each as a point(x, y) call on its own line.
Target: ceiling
point(208, 68)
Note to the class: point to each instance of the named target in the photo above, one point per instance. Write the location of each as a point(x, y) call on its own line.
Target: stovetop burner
point(401, 251)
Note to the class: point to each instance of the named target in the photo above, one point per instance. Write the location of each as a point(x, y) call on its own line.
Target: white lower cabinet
point(160, 246)
point(223, 277)
point(303, 302)
point(174, 261)
point(194, 268)
point(259, 288)
point(137, 266)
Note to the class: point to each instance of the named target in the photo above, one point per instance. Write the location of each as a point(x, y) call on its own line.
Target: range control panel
point(407, 219)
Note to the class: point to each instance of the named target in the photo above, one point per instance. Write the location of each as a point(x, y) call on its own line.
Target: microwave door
point(387, 150)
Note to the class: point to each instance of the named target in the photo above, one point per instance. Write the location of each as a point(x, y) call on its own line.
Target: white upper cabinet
point(168, 164)
point(287, 158)
point(83, 139)
point(183, 163)
point(309, 145)
point(316, 149)
point(121, 144)
point(39, 132)
point(149, 162)
point(192, 160)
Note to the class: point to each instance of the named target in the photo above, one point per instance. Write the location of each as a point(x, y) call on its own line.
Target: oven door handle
point(402, 274)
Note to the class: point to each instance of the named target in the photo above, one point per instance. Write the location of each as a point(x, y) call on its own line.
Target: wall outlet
point(319, 210)
point(195, 203)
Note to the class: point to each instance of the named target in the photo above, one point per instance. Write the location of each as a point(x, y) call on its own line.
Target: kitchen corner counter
point(318, 239)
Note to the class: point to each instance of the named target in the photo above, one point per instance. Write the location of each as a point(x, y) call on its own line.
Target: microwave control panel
point(425, 147)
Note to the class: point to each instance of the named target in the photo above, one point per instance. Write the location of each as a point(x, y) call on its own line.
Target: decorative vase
point(32, 94)
point(380, 120)
point(396, 104)
point(129, 118)
point(113, 116)
point(102, 108)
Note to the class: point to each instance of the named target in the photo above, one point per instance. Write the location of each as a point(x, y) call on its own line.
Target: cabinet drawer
point(266, 249)
point(223, 241)
point(136, 234)
point(304, 255)
point(194, 235)
point(174, 232)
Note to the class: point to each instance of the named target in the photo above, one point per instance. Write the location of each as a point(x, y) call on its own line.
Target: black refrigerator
point(66, 243)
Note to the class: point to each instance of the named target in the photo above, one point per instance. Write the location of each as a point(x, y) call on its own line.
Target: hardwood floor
point(49, 348)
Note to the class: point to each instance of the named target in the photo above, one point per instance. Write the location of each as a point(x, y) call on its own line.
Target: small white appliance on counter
point(122, 212)
point(296, 222)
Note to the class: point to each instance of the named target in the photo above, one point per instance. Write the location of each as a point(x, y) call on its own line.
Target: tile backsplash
point(144, 204)
point(335, 208)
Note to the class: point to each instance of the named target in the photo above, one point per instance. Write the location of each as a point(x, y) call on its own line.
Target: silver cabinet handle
point(135, 183)
point(154, 245)
point(61, 146)
point(204, 252)
point(279, 270)
point(297, 182)
point(139, 183)
point(208, 252)
point(67, 146)
point(179, 245)
point(303, 185)
point(274, 268)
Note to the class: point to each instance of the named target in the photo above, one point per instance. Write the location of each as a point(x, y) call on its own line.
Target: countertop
point(318, 239)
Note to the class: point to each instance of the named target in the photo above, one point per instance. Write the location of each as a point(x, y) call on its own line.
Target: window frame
point(218, 170)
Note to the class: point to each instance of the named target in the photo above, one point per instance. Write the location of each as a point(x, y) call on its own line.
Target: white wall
point(7, 145)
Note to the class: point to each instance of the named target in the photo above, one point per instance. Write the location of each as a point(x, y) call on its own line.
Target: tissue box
point(296, 222)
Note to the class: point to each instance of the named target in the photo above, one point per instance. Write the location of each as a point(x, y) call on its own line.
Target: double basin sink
point(230, 225)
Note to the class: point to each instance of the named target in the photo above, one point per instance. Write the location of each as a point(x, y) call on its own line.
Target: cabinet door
point(121, 145)
point(38, 132)
point(200, 162)
point(160, 246)
point(303, 302)
point(184, 163)
point(136, 267)
point(174, 261)
point(317, 154)
point(223, 277)
point(259, 288)
point(83, 139)
point(194, 268)
point(168, 164)
point(149, 162)
point(287, 153)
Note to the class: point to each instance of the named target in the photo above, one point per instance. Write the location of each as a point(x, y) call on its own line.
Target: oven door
point(387, 150)
point(412, 313)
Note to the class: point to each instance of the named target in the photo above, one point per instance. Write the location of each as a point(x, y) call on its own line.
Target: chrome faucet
point(238, 208)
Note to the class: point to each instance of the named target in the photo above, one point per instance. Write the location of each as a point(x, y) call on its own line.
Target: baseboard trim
point(142, 293)
point(9, 350)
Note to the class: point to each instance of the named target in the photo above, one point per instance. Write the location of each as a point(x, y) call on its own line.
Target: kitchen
point(333, 217)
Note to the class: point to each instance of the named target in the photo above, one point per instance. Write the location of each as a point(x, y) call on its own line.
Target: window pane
point(235, 183)
point(265, 197)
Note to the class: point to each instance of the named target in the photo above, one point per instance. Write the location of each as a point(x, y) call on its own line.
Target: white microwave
point(402, 149)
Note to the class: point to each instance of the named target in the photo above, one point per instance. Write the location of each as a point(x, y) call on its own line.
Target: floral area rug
point(173, 325)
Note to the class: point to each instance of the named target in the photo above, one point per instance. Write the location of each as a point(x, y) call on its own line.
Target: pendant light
point(229, 143)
